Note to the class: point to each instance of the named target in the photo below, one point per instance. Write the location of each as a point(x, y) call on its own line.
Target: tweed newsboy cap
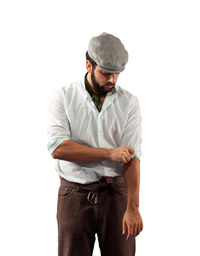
point(108, 52)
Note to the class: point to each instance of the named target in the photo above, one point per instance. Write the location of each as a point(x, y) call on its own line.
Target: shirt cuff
point(54, 143)
point(138, 155)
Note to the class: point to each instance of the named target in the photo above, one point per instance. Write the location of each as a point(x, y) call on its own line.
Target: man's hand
point(132, 223)
point(121, 154)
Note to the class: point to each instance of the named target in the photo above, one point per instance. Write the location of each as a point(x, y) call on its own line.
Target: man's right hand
point(121, 154)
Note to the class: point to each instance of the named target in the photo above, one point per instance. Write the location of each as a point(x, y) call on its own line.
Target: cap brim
point(110, 70)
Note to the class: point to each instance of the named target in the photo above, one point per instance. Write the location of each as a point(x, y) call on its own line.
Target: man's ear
point(88, 66)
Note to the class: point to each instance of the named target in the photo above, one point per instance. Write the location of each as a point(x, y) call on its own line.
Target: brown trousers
point(86, 210)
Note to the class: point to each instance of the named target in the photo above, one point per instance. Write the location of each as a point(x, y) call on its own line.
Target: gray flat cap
point(108, 52)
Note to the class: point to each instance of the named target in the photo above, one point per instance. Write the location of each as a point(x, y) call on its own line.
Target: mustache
point(109, 84)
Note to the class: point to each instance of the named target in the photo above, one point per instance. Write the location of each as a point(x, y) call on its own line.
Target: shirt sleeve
point(133, 129)
point(58, 126)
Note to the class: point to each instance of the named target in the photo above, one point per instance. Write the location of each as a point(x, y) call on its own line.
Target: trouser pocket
point(65, 191)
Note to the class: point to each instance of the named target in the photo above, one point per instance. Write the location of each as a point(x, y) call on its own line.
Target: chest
point(91, 127)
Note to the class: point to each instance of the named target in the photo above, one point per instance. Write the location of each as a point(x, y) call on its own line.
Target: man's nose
point(112, 78)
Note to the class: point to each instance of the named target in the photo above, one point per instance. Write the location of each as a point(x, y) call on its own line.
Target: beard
point(99, 88)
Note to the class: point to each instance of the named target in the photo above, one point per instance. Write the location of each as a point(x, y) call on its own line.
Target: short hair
point(94, 64)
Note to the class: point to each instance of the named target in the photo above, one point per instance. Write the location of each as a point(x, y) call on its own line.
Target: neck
point(91, 84)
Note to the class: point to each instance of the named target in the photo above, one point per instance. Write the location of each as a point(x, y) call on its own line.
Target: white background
point(44, 42)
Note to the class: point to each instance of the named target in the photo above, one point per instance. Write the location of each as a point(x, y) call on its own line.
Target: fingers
point(122, 154)
point(124, 227)
point(134, 230)
point(131, 150)
point(130, 231)
point(126, 157)
point(139, 229)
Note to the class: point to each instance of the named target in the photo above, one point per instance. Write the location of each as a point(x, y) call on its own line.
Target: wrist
point(132, 203)
point(132, 208)
point(108, 154)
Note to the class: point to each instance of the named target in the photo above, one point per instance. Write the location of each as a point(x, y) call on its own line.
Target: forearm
point(132, 178)
point(74, 152)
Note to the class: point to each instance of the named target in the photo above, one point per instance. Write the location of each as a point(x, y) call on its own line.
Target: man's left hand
point(132, 222)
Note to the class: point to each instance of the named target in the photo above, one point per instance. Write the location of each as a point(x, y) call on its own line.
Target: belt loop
point(109, 180)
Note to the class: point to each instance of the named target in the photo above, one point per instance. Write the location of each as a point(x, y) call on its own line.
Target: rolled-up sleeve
point(133, 129)
point(58, 126)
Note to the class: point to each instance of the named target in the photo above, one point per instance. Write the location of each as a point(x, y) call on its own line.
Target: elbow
point(54, 155)
point(60, 150)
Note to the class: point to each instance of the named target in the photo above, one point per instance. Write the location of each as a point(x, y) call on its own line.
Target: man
point(94, 133)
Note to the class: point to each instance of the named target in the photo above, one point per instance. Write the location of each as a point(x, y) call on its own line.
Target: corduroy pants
point(86, 210)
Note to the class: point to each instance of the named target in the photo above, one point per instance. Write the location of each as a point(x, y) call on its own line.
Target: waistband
point(104, 181)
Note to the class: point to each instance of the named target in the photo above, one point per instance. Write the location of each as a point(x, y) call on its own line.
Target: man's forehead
point(100, 69)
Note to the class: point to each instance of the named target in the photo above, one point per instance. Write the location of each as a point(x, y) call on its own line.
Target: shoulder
point(126, 96)
point(64, 87)
point(67, 90)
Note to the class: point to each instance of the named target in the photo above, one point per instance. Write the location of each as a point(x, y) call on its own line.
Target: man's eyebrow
point(104, 72)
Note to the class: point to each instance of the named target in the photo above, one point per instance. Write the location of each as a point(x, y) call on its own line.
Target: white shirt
point(73, 115)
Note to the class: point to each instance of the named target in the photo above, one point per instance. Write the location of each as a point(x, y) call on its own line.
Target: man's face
point(103, 82)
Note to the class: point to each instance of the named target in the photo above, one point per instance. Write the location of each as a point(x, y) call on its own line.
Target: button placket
point(100, 131)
